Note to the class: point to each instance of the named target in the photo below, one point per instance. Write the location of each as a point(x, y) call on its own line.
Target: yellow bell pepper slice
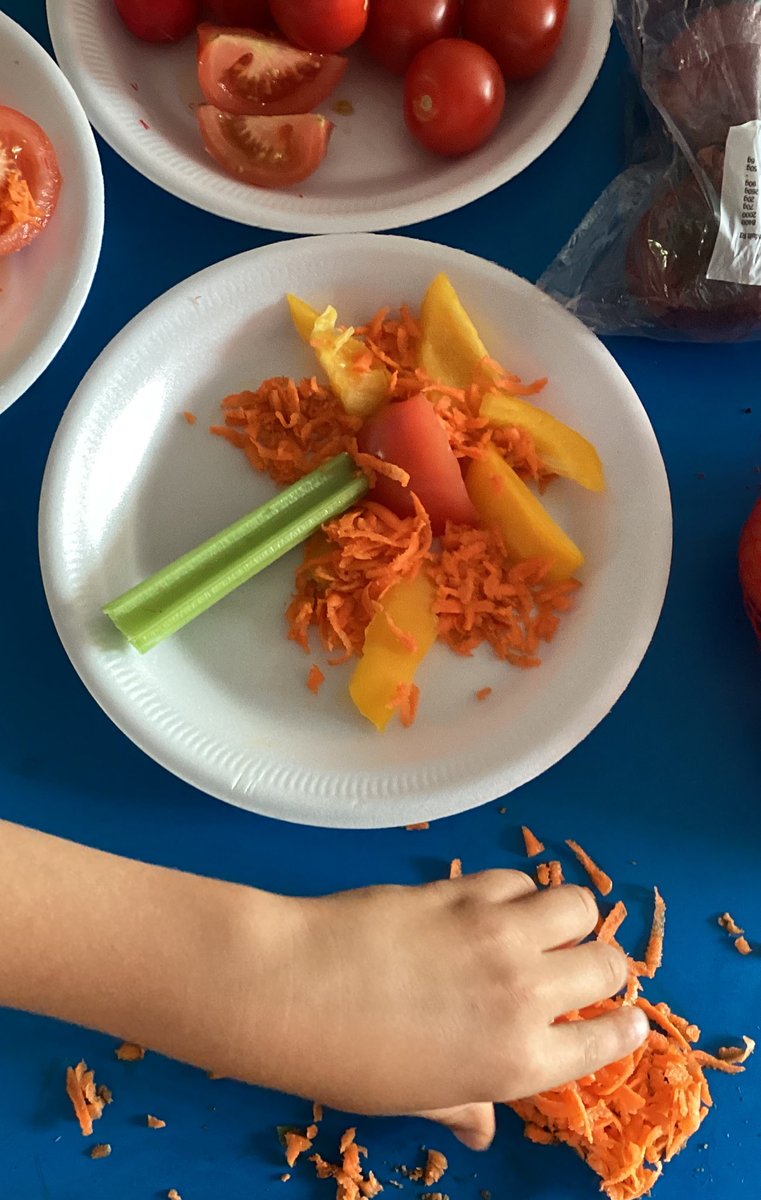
point(451, 349)
point(562, 450)
point(360, 391)
point(502, 499)
point(386, 660)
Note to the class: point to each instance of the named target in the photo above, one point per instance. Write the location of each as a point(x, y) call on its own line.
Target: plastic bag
point(672, 249)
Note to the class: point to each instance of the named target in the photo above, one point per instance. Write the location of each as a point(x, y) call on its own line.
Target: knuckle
point(612, 966)
point(584, 903)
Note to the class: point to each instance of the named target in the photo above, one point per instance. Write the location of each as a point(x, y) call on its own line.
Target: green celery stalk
point(181, 591)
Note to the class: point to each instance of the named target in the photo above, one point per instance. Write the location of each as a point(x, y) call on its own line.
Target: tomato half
point(397, 29)
point(322, 25)
point(454, 94)
point(160, 20)
point(409, 434)
point(30, 180)
point(241, 72)
point(250, 14)
point(523, 35)
point(265, 151)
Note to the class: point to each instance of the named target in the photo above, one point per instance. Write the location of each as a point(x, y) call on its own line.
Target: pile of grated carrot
point(287, 429)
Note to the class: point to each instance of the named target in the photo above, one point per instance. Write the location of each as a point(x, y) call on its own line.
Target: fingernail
point(640, 1025)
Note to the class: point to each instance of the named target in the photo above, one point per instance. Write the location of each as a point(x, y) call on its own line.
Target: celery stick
point(181, 591)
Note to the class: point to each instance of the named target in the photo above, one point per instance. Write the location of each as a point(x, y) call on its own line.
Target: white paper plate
point(374, 176)
point(224, 704)
point(43, 287)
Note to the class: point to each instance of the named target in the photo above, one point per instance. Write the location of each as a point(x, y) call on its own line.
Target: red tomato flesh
point(523, 35)
point(265, 151)
point(323, 25)
point(30, 180)
point(160, 20)
point(242, 72)
point(250, 14)
point(409, 434)
point(397, 29)
point(454, 94)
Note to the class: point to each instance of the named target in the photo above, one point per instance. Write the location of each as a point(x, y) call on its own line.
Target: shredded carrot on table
point(311, 1132)
point(610, 926)
point(315, 678)
point(317, 1112)
point(455, 868)
point(295, 1145)
point(743, 945)
point(129, 1052)
point(654, 952)
point(602, 882)
point(190, 417)
point(730, 924)
point(352, 1183)
point(737, 1054)
point(532, 843)
point(483, 693)
point(87, 1099)
point(543, 874)
point(555, 873)
point(419, 825)
point(155, 1122)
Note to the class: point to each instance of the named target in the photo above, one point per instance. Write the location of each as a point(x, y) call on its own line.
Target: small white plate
point(140, 98)
point(43, 287)
point(224, 703)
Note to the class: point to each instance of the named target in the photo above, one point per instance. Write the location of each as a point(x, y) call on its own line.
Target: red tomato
point(241, 72)
point(160, 20)
point(750, 567)
point(409, 434)
point(322, 25)
point(28, 171)
point(522, 35)
point(250, 14)
point(454, 94)
point(265, 151)
point(397, 29)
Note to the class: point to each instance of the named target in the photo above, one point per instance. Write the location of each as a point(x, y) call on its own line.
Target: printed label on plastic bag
point(736, 256)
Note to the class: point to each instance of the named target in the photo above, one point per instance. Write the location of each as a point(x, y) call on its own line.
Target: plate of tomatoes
point(51, 209)
point(332, 649)
point(319, 116)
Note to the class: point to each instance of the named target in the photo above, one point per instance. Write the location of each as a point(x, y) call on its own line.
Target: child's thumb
point(473, 1124)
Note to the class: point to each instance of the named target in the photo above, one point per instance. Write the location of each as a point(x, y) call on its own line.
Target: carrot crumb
point(88, 1101)
point(737, 1054)
point(155, 1122)
point(315, 679)
point(102, 1150)
point(295, 1144)
point(455, 868)
point(555, 873)
point(419, 825)
point(190, 417)
point(599, 878)
point(743, 945)
point(317, 1111)
point(435, 1167)
point(285, 1178)
point(543, 874)
point(311, 1132)
point(727, 922)
point(533, 845)
point(129, 1052)
point(483, 693)
point(173, 1194)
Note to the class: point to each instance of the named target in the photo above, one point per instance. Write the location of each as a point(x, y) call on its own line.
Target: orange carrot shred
point(317, 1112)
point(129, 1052)
point(543, 874)
point(295, 1145)
point(419, 825)
point(601, 881)
point(88, 1101)
point(555, 873)
point(742, 945)
point(727, 922)
point(483, 693)
point(315, 679)
point(311, 1132)
point(533, 845)
point(190, 417)
point(654, 952)
point(612, 923)
point(737, 1054)
point(455, 868)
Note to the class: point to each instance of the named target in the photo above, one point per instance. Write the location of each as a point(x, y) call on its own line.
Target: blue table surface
point(665, 790)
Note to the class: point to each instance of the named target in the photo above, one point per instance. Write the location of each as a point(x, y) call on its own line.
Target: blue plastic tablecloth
point(666, 790)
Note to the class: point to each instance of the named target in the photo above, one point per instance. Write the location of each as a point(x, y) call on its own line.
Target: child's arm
point(388, 999)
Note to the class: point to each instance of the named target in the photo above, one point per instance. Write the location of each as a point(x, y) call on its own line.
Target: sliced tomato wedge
point(265, 151)
point(30, 180)
point(254, 75)
point(408, 434)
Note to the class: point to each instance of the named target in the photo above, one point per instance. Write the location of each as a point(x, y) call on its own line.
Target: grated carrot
point(295, 1145)
point(352, 1184)
point(311, 1132)
point(317, 1112)
point(543, 874)
point(419, 825)
point(155, 1122)
point(555, 873)
point(602, 882)
point(129, 1052)
point(730, 924)
point(533, 845)
point(190, 417)
point(455, 868)
point(612, 923)
point(483, 693)
point(742, 945)
point(315, 678)
point(87, 1099)
point(737, 1054)
point(406, 700)
point(654, 952)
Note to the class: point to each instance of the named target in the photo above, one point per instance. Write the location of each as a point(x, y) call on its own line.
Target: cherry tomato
point(265, 151)
point(322, 25)
point(241, 72)
point(523, 35)
point(249, 14)
point(409, 434)
point(454, 94)
point(397, 29)
point(30, 180)
point(160, 20)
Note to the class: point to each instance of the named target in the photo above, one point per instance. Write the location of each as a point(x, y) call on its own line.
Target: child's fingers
point(496, 886)
point(577, 1048)
point(473, 1124)
point(582, 975)
point(556, 917)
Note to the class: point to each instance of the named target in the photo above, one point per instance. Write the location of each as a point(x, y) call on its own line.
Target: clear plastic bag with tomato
point(672, 249)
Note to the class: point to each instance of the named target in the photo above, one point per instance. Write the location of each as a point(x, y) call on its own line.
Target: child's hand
point(403, 999)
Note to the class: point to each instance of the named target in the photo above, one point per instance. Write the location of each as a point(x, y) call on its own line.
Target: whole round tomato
point(160, 20)
point(265, 151)
point(244, 72)
point(397, 29)
point(322, 25)
point(28, 170)
point(248, 14)
point(454, 94)
point(523, 35)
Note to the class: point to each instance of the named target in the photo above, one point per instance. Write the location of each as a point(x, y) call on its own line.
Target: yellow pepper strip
point(360, 391)
point(389, 660)
point(561, 449)
point(502, 499)
point(451, 349)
